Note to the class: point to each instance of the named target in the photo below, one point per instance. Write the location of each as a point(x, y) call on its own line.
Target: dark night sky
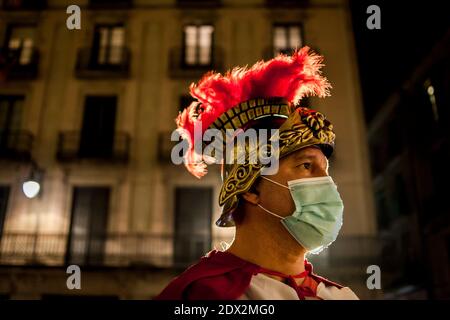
point(387, 57)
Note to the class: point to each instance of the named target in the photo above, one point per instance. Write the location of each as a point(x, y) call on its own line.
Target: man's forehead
point(312, 151)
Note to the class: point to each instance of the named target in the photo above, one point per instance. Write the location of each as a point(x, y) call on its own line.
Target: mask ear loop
point(268, 211)
point(277, 183)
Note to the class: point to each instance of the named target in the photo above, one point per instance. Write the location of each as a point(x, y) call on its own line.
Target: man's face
point(308, 162)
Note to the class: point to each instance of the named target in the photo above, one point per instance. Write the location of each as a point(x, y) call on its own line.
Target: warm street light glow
point(31, 188)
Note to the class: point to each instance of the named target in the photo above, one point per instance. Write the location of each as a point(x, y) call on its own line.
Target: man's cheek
point(291, 205)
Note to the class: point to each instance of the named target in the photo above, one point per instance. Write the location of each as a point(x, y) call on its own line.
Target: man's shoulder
point(215, 287)
point(330, 290)
point(179, 286)
point(213, 277)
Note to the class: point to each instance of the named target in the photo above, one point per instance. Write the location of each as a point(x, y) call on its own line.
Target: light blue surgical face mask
point(318, 214)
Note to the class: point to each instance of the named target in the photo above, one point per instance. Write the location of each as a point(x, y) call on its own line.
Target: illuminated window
point(109, 44)
point(198, 44)
point(286, 38)
point(432, 98)
point(21, 43)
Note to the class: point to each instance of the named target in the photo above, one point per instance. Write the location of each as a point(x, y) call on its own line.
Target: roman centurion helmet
point(267, 95)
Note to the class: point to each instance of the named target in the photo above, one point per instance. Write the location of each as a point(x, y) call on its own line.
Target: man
point(279, 214)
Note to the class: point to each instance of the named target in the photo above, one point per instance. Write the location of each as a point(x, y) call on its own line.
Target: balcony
point(179, 69)
point(16, 145)
point(288, 3)
point(109, 4)
point(24, 4)
point(270, 52)
point(112, 249)
point(71, 147)
point(12, 68)
point(88, 65)
point(199, 3)
point(169, 251)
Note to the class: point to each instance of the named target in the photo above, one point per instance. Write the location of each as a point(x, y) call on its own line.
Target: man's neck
point(269, 251)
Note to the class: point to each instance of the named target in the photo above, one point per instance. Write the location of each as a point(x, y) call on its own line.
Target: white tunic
point(263, 287)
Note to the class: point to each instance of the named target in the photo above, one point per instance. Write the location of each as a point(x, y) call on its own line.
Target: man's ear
point(251, 197)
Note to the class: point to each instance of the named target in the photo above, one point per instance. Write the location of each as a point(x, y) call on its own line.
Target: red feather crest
point(291, 77)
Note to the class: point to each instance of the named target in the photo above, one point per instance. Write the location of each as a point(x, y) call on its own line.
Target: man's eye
point(306, 165)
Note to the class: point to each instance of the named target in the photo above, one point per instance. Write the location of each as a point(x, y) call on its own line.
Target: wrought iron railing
point(179, 68)
point(362, 251)
point(16, 145)
point(114, 63)
point(199, 3)
point(113, 249)
point(288, 3)
point(108, 4)
point(71, 148)
point(16, 67)
point(23, 4)
point(347, 256)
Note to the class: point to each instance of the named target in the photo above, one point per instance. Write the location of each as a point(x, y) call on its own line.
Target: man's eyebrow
point(305, 156)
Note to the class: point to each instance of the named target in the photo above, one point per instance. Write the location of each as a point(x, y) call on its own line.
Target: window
point(382, 209)
point(286, 38)
point(108, 55)
point(448, 251)
point(109, 43)
point(198, 41)
point(185, 101)
point(97, 133)
point(4, 195)
point(400, 201)
point(20, 43)
point(10, 120)
point(90, 208)
point(23, 4)
point(10, 112)
point(193, 208)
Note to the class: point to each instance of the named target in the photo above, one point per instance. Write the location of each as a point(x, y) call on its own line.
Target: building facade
point(410, 149)
point(91, 112)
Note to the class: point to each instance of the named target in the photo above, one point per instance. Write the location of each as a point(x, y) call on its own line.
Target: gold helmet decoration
point(265, 96)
